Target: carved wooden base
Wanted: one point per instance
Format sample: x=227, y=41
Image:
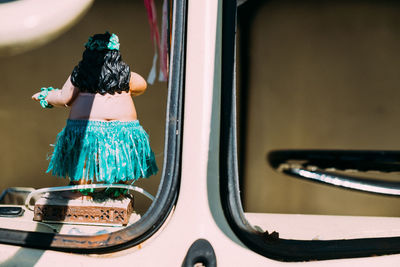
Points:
x=64, y=208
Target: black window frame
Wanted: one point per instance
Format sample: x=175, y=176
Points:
x=264, y=243
x=168, y=189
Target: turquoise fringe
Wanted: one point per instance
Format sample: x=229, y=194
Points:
x=103, y=151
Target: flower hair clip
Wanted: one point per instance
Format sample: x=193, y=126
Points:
x=99, y=45
x=113, y=44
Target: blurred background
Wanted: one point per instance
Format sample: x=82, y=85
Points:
x=27, y=130
x=317, y=75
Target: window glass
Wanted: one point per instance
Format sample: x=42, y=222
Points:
x=27, y=130
x=316, y=75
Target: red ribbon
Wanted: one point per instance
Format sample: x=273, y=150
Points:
x=160, y=48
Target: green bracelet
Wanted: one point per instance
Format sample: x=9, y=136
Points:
x=42, y=97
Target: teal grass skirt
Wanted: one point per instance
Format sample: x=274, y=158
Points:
x=103, y=152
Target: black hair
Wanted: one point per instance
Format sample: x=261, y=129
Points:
x=101, y=71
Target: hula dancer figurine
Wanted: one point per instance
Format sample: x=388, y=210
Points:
x=102, y=141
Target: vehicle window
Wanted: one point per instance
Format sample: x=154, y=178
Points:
x=28, y=130
x=294, y=106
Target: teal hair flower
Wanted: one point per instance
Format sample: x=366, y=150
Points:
x=99, y=45
x=113, y=44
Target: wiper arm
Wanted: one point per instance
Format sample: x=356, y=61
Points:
x=320, y=166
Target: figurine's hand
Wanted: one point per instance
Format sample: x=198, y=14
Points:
x=36, y=96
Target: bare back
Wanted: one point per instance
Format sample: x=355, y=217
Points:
x=106, y=107
x=87, y=106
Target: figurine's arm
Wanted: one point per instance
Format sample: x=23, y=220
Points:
x=137, y=85
x=62, y=97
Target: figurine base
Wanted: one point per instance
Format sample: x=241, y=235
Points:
x=68, y=208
